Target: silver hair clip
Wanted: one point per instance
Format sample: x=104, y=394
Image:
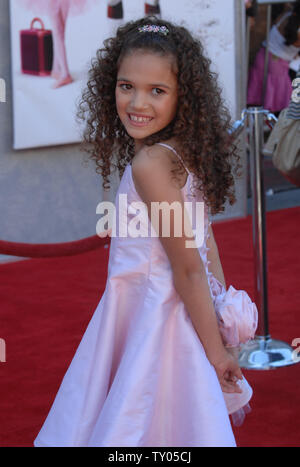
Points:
x=154, y=28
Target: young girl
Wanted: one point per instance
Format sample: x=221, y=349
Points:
x=284, y=47
x=153, y=367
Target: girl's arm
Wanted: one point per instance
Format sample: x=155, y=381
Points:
x=216, y=268
x=151, y=176
x=213, y=256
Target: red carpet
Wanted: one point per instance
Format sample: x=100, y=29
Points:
x=46, y=305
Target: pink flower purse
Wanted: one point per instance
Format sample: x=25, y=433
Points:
x=238, y=318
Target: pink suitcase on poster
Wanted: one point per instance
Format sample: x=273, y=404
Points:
x=36, y=50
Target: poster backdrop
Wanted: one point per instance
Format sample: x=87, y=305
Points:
x=53, y=42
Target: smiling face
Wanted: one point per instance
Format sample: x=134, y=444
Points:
x=146, y=93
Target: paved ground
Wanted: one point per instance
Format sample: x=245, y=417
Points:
x=280, y=194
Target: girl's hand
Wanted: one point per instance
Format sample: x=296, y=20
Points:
x=228, y=371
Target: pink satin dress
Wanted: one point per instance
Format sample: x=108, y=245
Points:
x=140, y=376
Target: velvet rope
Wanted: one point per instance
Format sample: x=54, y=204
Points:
x=47, y=250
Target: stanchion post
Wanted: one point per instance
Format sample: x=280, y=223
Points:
x=262, y=353
x=255, y=125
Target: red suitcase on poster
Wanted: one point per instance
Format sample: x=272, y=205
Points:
x=36, y=50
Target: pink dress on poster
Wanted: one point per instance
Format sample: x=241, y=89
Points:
x=140, y=376
x=49, y=7
x=58, y=11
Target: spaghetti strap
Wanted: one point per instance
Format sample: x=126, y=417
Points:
x=180, y=158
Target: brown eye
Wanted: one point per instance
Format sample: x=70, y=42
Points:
x=125, y=86
x=157, y=91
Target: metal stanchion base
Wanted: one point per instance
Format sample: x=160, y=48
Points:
x=264, y=353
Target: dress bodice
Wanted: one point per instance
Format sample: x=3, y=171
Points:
x=146, y=247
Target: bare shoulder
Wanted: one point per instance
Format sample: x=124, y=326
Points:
x=153, y=181
x=158, y=161
x=149, y=155
x=152, y=163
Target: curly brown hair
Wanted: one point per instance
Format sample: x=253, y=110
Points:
x=201, y=125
